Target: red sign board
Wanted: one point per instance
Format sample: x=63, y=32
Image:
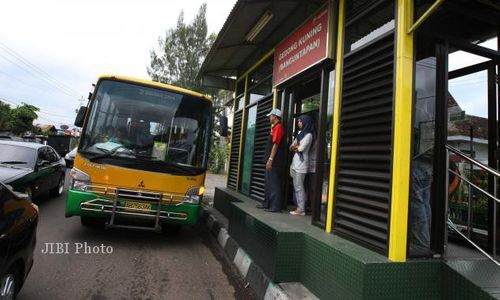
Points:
x=304, y=48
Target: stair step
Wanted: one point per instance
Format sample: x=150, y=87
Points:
x=295, y=290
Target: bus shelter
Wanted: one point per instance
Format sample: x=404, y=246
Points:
x=404, y=97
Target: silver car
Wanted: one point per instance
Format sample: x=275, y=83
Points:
x=70, y=158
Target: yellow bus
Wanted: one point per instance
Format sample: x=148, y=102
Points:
x=142, y=156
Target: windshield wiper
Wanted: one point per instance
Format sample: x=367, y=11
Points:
x=184, y=168
x=147, y=157
x=107, y=153
x=13, y=162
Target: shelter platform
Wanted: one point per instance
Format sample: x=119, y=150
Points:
x=290, y=249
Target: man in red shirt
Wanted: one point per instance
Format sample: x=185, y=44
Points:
x=275, y=162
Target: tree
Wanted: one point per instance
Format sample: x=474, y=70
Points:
x=181, y=53
x=22, y=118
x=178, y=61
x=4, y=116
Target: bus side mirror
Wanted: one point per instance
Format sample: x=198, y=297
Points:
x=80, y=116
x=223, y=126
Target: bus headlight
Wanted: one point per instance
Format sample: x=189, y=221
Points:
x=79, y=180
x=194, y=195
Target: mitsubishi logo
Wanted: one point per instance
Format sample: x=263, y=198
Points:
x=141, y=184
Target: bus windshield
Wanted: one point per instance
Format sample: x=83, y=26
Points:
x=158, y=128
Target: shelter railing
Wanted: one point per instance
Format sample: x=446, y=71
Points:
x=490, y=171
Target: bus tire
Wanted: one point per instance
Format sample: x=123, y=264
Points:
x=93, y=222
x=170, y=229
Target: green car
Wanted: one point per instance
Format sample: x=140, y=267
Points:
x=31, y=168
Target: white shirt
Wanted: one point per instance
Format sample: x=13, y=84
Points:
x=312, y=157
x=305, y=144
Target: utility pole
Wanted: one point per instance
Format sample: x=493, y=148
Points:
x=81, y=100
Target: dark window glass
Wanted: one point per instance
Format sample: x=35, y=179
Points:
x=240, y=87
x=18, y=155
x=153, y=126
x=52, y=155
x=239, y=102
x=421, y=196
x=261, y=90
x=43, y=155
x=353, y=8
x=261, y=74
x=249, y=149
x=260, y=82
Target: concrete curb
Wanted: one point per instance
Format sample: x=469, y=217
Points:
x=249, y=271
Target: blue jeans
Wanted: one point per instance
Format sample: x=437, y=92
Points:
x=420, y=208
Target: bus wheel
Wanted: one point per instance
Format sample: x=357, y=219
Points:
x=93, y=222
x=170, y=229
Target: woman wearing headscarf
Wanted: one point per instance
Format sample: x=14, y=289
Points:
x=300, y=162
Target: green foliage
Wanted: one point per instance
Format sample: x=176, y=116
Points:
x=178, y=61
x=458, y=206
x=19, y=119
x=217, y=158
x=311, y=104
x=22, y=117
x=4, y=116
x=182, y=52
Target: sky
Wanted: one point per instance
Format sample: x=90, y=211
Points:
x=470, y=91
x=52, y=51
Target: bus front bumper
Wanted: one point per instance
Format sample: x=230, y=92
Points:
x=88, y=204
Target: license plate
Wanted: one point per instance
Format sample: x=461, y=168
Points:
x=138, y=205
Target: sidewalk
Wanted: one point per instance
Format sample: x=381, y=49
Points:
x=256, y=279
x=212, y=181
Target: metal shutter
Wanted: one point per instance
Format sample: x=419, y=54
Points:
x=261, y=135
x=232, y=177
x=363, y=185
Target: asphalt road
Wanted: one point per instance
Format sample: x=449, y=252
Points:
x=142, y=265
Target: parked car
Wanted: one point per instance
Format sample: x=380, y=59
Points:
x=32, y=139
x=18, y=224
x=31, y=168
x=70, y=158
x=10, y=138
